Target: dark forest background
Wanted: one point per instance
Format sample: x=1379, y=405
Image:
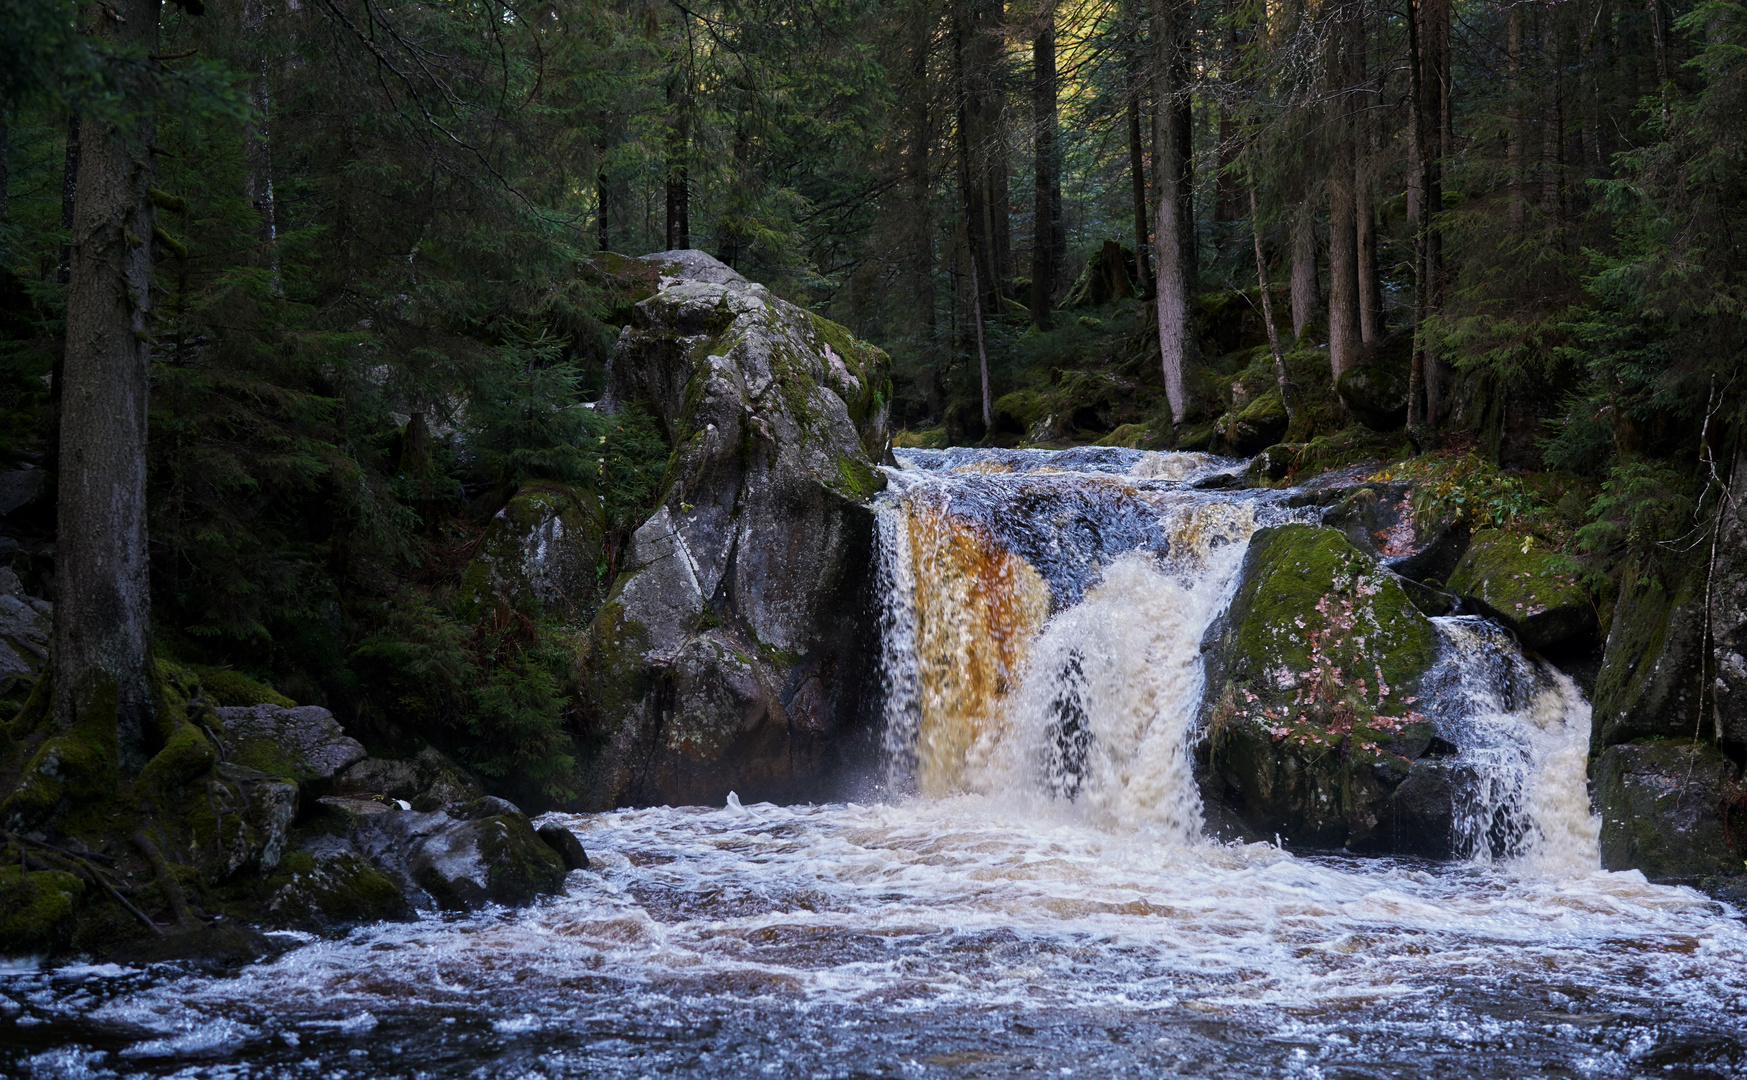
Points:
x=377, y=317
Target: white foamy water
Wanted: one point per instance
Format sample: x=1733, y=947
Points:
x=1030, y=894
x=919, y=938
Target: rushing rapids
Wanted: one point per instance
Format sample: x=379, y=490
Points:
x=1025, y=886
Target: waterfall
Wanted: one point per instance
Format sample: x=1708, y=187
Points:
x=1041, y=630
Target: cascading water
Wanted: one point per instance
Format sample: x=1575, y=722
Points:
x=1043, y=616
x=1032, y=894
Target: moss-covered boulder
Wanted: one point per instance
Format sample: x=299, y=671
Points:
x=489, y=854
x=303, y=744
x=327, y=884
x=37, y=909
x=1650, y=680
x=1258, y=425
x=1312, y=677
x=225, y=686
x=725, y=656
x=541, y=551
x=1663, y=806
x=426, y=781
x=1515, y=579
x=1375, y=393
x=1728, y=611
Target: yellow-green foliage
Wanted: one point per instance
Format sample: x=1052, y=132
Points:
x=934, y=438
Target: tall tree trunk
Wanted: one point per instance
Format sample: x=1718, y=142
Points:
x=1047, y=204
x=257, y=147
x=679, y=224
x=1370, y=281
x=602, y=236
x=1226, y=205
x=69, y=195
x=1306, y=297
x=1274, y=350
x=1174, y=226
x=102, y=604
x=5, y=164
x=1514, y=121
x=982, y=354
x=918, y=186
x=978, y=39
x=1343, y=252
x=1137, y=177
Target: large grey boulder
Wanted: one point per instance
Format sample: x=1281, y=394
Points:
x=540, y=552
x=303, y=744
x=24, y=633
x=726, y=655
x=488, y=853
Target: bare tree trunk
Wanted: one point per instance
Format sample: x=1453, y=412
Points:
x=1274, y=350
x=1343, y=260
x=679, y=225
x=1343, y=269
x=102, y=604
x=1514, y=122
x=257, y=147
x=1370, y=283
x=5, y=163
x=918, y=184
x=1046, y=215
x=603, y=237
x=1137, y=175
x=69, y=195
x=1174, y=226
x=982, y=353
x=1306, y=297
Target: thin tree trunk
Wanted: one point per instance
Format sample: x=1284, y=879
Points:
x=1370, y=283
x=679, y=227
x=1047, y=203
x=257, y=147
x=102, y=604
x=1137, y=175
x=603, y=238
x=982, y=353
x=1274, y=349
x=1172, y=221
x=5, y=164
x=1306, y=298
x=1514, y=121
x=69, y=194
x=918, y=185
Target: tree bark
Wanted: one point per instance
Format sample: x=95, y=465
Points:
x=978, y=37
x=102, y=604
x=679, y=225
x=257, y=147
x=1173, y=224
x=1343, y=260
x=982, y=354
x=1306, y=297
x=1370, y=282
x=1514, y=133
x=1046, y=216
x=1137, y=176
x=1274, y=349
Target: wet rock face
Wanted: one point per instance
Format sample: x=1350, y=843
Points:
x=1663, y=805
x=24, y=638
x=303, y=744
x=726, y=654
x=1533, y=592
x=491, y=855
x=1310, y=718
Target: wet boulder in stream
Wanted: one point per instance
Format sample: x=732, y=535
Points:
x=1533, y=592
x=727, y=654
x=1310, y=724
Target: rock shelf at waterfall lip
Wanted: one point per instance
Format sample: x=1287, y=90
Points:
x=1109, y=460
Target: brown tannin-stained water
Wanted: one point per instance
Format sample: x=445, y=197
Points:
x=1024, y=889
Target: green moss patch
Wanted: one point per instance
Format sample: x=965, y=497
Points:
x=1534, y=591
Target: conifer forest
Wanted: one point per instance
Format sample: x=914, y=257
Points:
x=815, y=455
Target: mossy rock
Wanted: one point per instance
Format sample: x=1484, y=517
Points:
x=1649, y=680
x=1376, y=395
x=329, y=885
x=541, y=552
x=1663, y=805
x=1529, y=589
x=1259, y=425
x=223, y=686
x=934, y=438
x=1312, y=678
x=37, y=910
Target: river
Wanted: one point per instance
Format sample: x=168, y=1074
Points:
x=1025, y=886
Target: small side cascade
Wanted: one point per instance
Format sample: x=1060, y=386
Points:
x=1520, y=785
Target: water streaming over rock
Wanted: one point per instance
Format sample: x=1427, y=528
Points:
x=1028, y=893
